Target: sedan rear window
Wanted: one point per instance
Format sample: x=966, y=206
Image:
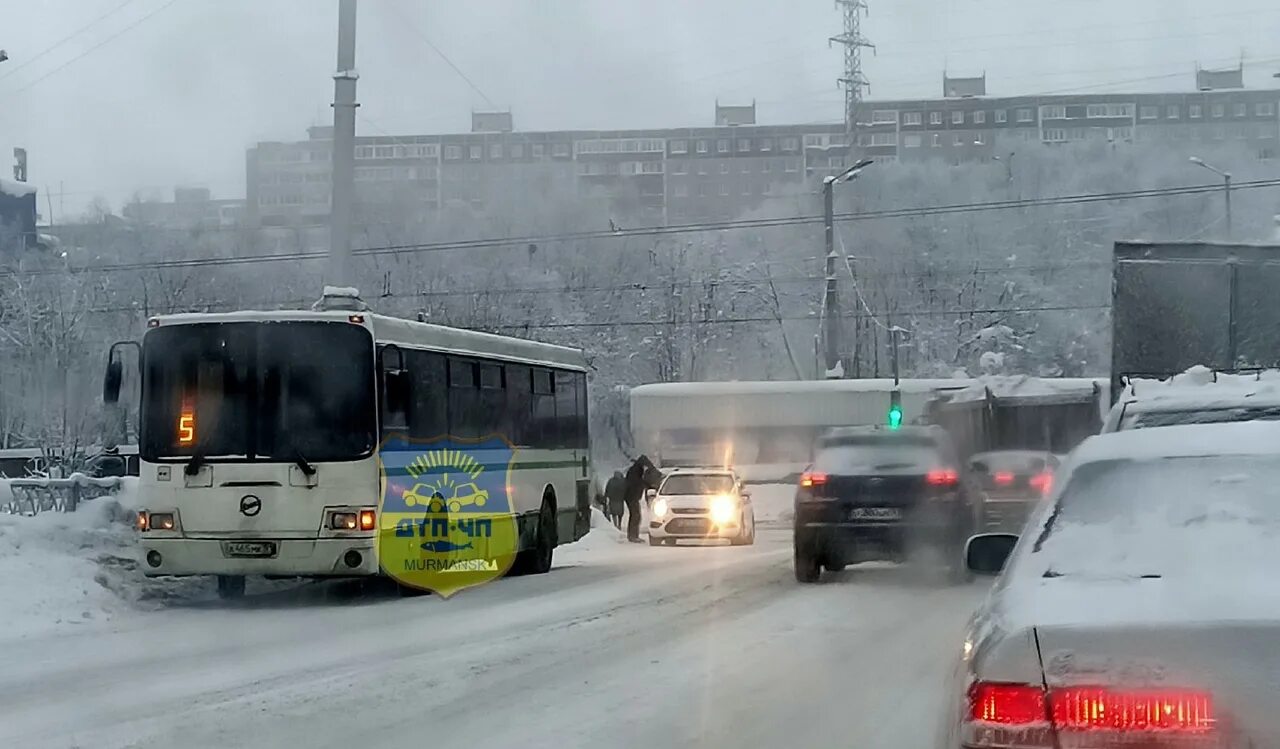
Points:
x=1153, y=517
x=878, y=457
x=697, y=484
x=1148, y=419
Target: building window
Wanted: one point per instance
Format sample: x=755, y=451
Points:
x=1265, y=109
x=744, y=145
x=724, y=188
x=979, y=118
x=957, y=139
x=913, y=118
x=722, y=145
x=1149, y=113
x=385, y=152
x=679, y=146
x=1054, y=112
x=495, y=150
x=936, y=140
x=517, y=151
x=1266, y=131
x=790, y=144
x=679, y=167
x=1055, y=135
x=884, y=117
x=1195, y=111
x=1002, y=116
x=746, y=167
x=1241, y=109
x=957, y=118
x=1172, y=112
x=1109, y=110
x=560, y=149
x=766, y=144
x=765, y=166
x=911, y=140
x=935, y=118
x=724, y=167
x=1120, y=133
x=702, y=146
x=1219, y=132
x=1219, y=110
x=978, y=140
x=792, y=165
x=453, y=153
x=1026, y=115
x=476, y=152
x=880, y=139
x=364, y=152
x=746, y=189
x=682, y=191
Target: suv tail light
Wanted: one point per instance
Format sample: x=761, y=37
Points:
x=942, y=477
x=1026, y=717
x=809, y=479
x=1042, y=482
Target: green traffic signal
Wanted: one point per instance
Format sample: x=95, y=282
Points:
x=895, y=418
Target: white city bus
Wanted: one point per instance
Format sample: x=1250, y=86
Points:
x=261, y=431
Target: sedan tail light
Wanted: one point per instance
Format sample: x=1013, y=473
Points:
x=942, y=477
x=1028, y=717
x=1002, y=478
x=1042, y=482
x=810, y=479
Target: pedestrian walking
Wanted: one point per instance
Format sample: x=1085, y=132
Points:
x=615, y=492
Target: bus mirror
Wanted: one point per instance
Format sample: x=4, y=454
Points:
x=111, y=381
x=396, y=388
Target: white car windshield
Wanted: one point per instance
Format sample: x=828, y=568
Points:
x=697, y=484
x=1179, y=517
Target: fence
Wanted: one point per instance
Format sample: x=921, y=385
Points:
x=35, y=495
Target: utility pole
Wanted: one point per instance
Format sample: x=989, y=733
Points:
x=344, y=148
x=832, y=332
x=1226, y=186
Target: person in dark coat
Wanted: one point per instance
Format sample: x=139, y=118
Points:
x=638, y=478
x=615, y=492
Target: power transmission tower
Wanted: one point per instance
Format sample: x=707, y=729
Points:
x=853, y=81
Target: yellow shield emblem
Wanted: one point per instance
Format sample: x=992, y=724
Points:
x=446, y=521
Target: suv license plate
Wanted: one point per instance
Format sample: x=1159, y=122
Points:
x=249, y=548
x=875, y=513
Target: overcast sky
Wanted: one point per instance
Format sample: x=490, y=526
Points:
x=171, y=92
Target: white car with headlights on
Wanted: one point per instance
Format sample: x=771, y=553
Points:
x=701, y=503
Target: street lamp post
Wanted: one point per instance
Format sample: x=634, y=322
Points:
x=1226, y=186
x=832, y=332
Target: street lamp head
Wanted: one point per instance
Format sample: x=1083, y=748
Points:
x=1196, y=160
x=3, y=55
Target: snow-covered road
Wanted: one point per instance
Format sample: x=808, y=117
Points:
x=620, y=646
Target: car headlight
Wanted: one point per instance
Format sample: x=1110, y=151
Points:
x=723, y=509
x=660, y=508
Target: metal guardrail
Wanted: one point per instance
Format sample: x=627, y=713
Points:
x=32, y=496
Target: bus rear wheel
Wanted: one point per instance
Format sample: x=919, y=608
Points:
x=537, y=560
x=230, y=587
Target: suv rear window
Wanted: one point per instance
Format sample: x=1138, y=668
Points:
x=857, y=454
x=697, y=483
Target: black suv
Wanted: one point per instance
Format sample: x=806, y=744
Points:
x=874, y=493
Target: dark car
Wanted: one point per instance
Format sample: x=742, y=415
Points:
x=875, y=493
x=1011, y=483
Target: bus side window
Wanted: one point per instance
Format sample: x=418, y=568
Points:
x=428, y=406
x=566, y=410
x=464, y=399
x=542, y=410
x=519, y=404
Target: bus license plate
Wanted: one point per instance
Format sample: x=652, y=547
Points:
x=875, y=513
x=249, y=548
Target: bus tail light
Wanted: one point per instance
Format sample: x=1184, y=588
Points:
x=368, y=520
x=157, y=521
x=343, y=521
x=363, y=519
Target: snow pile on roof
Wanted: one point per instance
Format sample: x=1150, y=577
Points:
x=1200, y=385
x=1026, y=387
x=16, y=189
x=60, y=570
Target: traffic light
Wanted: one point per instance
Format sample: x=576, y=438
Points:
x=895, y=409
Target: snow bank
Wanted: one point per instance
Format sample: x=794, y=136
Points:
x=59, y=570
x=1201, y=386
x=774, y=503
